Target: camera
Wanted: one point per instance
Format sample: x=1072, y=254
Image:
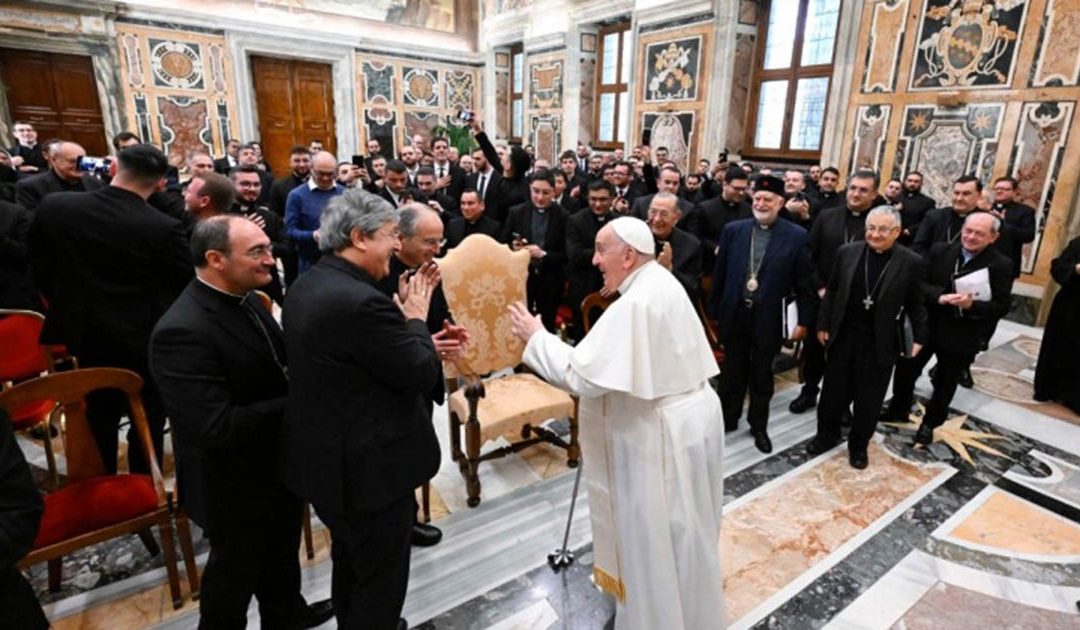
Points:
x=94, y=165
x=466, y=115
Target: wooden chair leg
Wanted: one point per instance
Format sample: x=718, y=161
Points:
x=187, y=548
x=147, y=538
x=165, y=529
x=472, y=461
x=309, y=540
x=425, y=501
x=56, y=574
x=50, y=455
x=455, y=437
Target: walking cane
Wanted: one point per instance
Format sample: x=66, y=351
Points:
x=563, y=557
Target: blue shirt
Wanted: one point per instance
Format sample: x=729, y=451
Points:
x=303, y=210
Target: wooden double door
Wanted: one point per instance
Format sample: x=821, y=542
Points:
x=295, y=101
x=57, y=94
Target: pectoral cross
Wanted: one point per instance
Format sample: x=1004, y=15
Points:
x=868, y=302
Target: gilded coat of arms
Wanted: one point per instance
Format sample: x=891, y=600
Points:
x=968, y=43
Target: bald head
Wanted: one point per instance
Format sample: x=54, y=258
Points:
x=65, y=161
x=324, y=169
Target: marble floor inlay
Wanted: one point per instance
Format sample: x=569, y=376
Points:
x=949, y=606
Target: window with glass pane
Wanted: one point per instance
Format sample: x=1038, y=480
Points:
x=790, y=85
x=611, y=88
x=518, y=69
x=770, y=114
x=517, y=115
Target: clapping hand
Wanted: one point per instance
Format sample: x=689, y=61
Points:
x=522, y=323
x=451, y=342
x=535, y=251
x=257, y=220
x=416, y=298
x=665, y=257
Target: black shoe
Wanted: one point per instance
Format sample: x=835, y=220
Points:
x=317, y=614
x=858, y=461
x=925, y=434
x=402, y=624
x=965, y=380
x=610, y=623
x=762, y=441
x=817, y=446
x=805, y=402
x=892, y=415
x=425, y=535
x=1040, y=397
x=730, y=428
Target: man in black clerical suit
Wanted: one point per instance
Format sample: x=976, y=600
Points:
x=833, y=229
x=714, y=214
x=583, y=277
x=1057, y=374
x=485, y=181
x=110, y=265
x=17, y=289
x=432, y=196
x=218, y=359
x=915, y=206
x=760, y=262
x=1017, y=221
x=63, y=176
x=358, y=436
x=871, y=284
x=574, y=194
x=943, y=225
x=677, y=250
x=27, y=156
x=800, y=203
x=246, y=181
x=249, y=156
x=473, y=220
x=20, y=515
x=958, y=323
x=668, y=180
x=539, y=226
x=827, y=196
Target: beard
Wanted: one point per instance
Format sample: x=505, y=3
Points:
x=762, y=217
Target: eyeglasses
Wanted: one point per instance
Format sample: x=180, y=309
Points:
x=661, y=214
x=326, y=174
x=249, y=184
x=259, y=251
x=880, y=229
x=432, y=242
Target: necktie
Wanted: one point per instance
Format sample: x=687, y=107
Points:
x=483, y=185
x=441, y=171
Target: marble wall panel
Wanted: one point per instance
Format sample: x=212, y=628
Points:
x=381, y=124
x=748, y=12
x=502, y=97
x=378, y=80
x=745, y=45
x=871, y=127
x=459, y=90
x=544, y=96
x=887, y=29
x=672, y=70
x=179, y=86
x=184, y=125
x=420, y=86
x=587, y=99
x=967, y=45
x=546, y=85
x=674, y=130
x=545, y=131
x=1036, y=162
x=1058, y=57
x=945, y=143
x=421, y=123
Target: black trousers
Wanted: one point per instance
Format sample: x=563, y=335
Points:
x=949, y=367
x=544, y=293
x=852, y=375
x=255, y=556
x=290, y=265
x=19, y=607
x=747, y=365
x=813, y=356
x=370, y=553
x=105, y=408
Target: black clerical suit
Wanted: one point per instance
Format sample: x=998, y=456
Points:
x=866, y=293
x=685, y=259
x=16, y=288
x=274, y=228
x=956, y=335
x=749, y=323
x=32, y=156
x=689, y=221
x=940, y=225
x=358, y=435
x=713, y=215
x=915, y=206
x=459, y=228
x=109, y=265
x=547, y=275
x=279, y=194
x=583, y=277
x=823, y=200
x=219, y=362
x=1017, y=229
x=20, y=515
x=1057, y=375
x=30, y=191
x=833, y=229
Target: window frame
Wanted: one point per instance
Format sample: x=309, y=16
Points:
x=620, y=87
x=792, y=74
x=516, y=49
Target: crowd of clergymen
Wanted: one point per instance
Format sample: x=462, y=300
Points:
x=769, y=258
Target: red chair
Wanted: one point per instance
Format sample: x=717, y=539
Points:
x=22, y=357
x=95, y=506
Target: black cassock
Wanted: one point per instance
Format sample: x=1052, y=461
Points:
x=1057, y=376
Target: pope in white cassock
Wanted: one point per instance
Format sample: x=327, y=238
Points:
x=651, y=434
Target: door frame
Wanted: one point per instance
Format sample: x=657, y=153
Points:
x=342, y=60
x=105, y=59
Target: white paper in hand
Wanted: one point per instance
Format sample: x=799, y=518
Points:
x=791, y=317
x=977, y=283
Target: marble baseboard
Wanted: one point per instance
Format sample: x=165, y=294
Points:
x=1023, y=309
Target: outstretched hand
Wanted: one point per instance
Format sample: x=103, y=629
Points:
x=522, y=323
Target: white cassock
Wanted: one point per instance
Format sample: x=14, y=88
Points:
x=652, y=439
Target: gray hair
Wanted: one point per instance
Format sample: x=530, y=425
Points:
x=355, y=209
x=995, y=224
x=409, y=217
x=211, y=235
x=664, y=195
x=885, y=210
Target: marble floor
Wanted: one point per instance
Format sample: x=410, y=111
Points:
x=980, y=529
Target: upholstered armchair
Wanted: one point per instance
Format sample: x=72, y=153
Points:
x=480, y=278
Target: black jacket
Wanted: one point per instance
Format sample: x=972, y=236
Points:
x=358, y=432
x=713, y=215
x=458, y=228
x=16, y=288
x=30, y=191
x=552, y=267
x=689, y=221
x=901, y=288
x=915, y=206
x=940, y=225
x=829, y=233
x=951, y=329
x=458, y=181
x=222, y=165
x=20, y=514
x=491, y=196
x=109, y=265
x=583, y=277
x=1017, y=229
x=685, y=260
x=224, y=390
x=279, y=193
x=503, y=193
